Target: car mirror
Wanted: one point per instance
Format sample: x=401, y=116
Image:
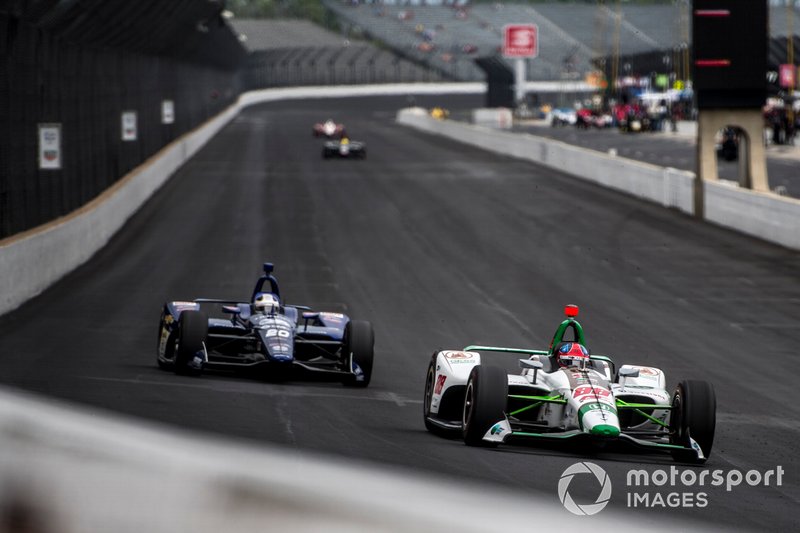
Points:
x=531, y=364
x=629, y=372
x=310, y=315
x=231, y=310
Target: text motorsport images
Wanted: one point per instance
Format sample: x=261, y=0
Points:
x=642, y=487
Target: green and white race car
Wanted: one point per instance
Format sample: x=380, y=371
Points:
x=565, y=392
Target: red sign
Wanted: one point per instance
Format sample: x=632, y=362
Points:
x=521, y=40
x=787, y=76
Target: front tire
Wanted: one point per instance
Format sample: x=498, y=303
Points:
x=168, y=339
x=358, y=351
x=484, y=403
x=426, y=403
x=694, y=414
x=192, y=331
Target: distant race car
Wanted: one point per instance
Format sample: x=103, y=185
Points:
x=344, y=148
x=565, y=393
x=266, y=334
x=329, y=129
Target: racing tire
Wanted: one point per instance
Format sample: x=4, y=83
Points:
x=192, y=331
x=426, y=404
x=325, y=154
x=358, y=348
x=485, y=403
x=169, y=346
x=694, y=414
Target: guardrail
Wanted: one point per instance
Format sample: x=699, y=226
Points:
x=764, y=215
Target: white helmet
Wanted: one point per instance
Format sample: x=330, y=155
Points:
x=267, y=303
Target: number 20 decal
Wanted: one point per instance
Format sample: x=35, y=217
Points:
x=272, y=332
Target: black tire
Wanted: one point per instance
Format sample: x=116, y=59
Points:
x=426, y=404
x=358, y=348
x=192, y=331
x=169, y=346
x=485, y=403
x=325, y=154
x=694, y=414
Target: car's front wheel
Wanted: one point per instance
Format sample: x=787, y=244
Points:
x=192, y=331
x=693, y=415
x=484, y=403
x=358, y=353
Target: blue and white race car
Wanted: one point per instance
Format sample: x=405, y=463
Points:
x=263, y=333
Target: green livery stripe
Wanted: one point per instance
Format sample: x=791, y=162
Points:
x=518, y=411
x=548, y=399
x=622, y=404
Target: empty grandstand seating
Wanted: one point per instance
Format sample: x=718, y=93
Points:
x=297, y=52
x=570, y=34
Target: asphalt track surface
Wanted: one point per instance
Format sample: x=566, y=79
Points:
x=439, y=245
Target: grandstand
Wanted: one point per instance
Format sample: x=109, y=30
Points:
x=298, y=52
x=571, y=35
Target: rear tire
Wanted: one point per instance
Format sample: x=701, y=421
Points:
x=358, y=348
x=484, y=403
x=192, y=331
x=694, y=414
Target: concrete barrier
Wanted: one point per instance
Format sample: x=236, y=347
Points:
x=767, y=216
x=73, y=470
x=666, y=186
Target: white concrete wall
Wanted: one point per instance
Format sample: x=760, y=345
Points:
x=665, y=186
x=764, y=215
x=32, y=261
x=75, y=470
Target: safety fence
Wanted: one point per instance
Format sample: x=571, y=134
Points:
x=89, y=90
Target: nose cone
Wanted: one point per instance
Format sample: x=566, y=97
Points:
x=605, y=430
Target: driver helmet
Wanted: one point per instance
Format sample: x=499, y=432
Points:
x=572, y=354
x=345, y=140
x=266, y=303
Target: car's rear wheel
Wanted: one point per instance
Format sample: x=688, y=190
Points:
x=358, y=353
x=694, y=414
x=192, y=331
x=484, y=403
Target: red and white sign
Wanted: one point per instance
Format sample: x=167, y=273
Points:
x=521, y=40
x=787, y=76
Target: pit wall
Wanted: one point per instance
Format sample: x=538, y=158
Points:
x=763, y=215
